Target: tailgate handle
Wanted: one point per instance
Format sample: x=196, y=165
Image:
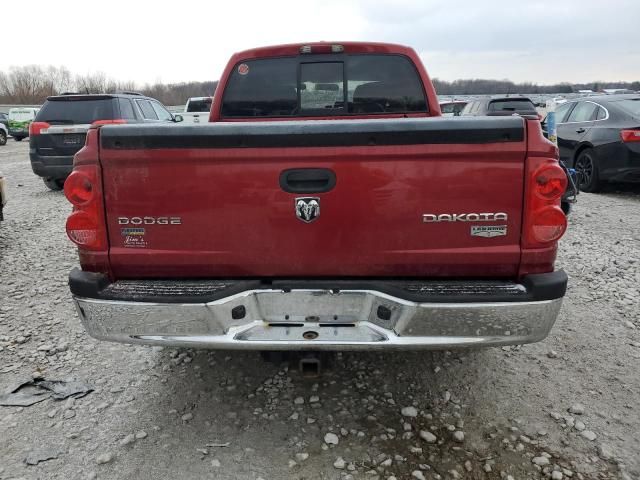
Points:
x=307, y=180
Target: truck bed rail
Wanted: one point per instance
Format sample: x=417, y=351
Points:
x=316, y=133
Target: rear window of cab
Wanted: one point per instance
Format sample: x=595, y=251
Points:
x=324, y=86
x=202, y=106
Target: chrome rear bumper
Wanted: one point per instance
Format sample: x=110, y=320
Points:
x=315, y=319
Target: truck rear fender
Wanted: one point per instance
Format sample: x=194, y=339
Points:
x=86, y=225
x=543, y=222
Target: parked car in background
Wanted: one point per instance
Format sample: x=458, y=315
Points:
x=197, y=110
x=500, y=106
x=61, y=126
x=19, y=121
x=4, y=119
x=4, y=133
x=452, y=108
x=600, y=138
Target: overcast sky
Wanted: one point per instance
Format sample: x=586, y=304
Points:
x=543, y=41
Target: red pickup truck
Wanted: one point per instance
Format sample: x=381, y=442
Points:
x=327, y=205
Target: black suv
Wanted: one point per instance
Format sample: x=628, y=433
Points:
x=61, y=125
x=499, y=106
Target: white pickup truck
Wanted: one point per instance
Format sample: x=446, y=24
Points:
x=197, y=110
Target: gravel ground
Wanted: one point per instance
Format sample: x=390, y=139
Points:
x=567, y=407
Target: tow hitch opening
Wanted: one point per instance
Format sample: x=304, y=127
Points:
x=310, y=366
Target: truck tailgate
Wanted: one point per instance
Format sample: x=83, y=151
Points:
x=208, y=200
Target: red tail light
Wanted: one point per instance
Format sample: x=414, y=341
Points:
x=629, y=136
x=544, y=221
x=78, y=188
x=86, y=225
x=548, y=224
x=82, y=229
x=550, y=182
x=116, y=121
x=36, y=127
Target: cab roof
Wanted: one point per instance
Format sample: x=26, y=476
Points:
x=292, y=49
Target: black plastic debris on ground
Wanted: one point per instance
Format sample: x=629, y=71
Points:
x=36, y=390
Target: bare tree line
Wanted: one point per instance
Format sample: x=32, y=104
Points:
x=179, y=93
x=32, y=84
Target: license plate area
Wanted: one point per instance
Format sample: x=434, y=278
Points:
x=314, y=307
x=312, y=332
x=73, y=139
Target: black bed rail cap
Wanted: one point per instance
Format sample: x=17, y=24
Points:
x=316, y=133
